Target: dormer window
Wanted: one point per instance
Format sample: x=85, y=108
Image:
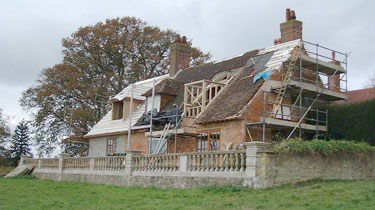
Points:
x=117, y=110
x=156, y=103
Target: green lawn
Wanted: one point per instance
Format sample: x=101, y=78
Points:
x=22, y=193
x=5, y=170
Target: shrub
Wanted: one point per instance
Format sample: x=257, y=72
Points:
x=352, y=121
x=321, y=146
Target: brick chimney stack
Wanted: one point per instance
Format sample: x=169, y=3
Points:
x=291, y=29
x=334, y=81
x=179, y=57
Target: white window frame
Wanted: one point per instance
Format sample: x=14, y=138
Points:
x=156, y=103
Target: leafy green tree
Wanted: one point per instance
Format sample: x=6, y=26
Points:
x=4, y=137
x=4, y=129
x=99, y=61
x=20, y=142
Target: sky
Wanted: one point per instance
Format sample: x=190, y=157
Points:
x=31, y=32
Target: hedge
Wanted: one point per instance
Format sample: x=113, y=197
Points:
x=320, y=146
x=352, y=121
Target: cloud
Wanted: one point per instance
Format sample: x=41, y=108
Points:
x=31, y=31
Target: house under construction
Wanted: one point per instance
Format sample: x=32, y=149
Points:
x=280, y=91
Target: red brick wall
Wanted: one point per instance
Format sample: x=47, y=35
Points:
x=230, y=132
x=138, y=141
x=184, y=144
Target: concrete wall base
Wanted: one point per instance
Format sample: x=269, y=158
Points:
x=181, y=182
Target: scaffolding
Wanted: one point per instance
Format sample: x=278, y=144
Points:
x=197, y=96
x=310, y=80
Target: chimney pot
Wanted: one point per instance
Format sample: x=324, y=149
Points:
x=275, y=42
x=184, y=40
x=333, y=56
x=177, y=39
x=291, y=30
x=292, y=15
x=287, y=14
x=279, y=41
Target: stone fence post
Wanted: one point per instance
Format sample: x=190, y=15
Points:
x=91, y=163
x=129, y=161
x=61, y=164
x=39, y=163
x=252, y=149
x=184, y=163
x=22, y=159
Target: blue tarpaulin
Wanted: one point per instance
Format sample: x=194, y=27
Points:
x=265, y=75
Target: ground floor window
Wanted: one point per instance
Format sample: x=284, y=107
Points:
x=208, y=141
x=154, y=145
x=111, y=145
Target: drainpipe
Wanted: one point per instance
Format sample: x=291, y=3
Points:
x=130, y=115
x=152, y=111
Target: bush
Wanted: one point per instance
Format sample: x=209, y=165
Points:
x=321, y=146
x=352, y=121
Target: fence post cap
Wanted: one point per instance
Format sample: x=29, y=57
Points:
x=133, y=151
x=63, y=155
x=257, y=144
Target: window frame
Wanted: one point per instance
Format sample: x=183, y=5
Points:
x=157, y=101
x=209, y=136
x=112, y=146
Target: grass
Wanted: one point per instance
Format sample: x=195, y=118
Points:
x=28, y=193
x=5, y=170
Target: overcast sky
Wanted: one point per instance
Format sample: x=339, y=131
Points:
x=31, y=32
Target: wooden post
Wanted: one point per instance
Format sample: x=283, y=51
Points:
x=185, y=99
x=204, y=95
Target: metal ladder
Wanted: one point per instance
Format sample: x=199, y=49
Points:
x=162, y=139
x=165, y=135
x=286, y=79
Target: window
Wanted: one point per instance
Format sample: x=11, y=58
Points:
x=215, y=141
x=209, y=141
x=283, y=112
x=156, y=103
x=117, y=110
x=203, y=142
x=111, y=146
x=154, y=142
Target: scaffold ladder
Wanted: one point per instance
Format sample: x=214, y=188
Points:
x=162, y=139
x=166, y=134
x=286, y=79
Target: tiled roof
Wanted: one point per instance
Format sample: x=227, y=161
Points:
x=360, y=95
x=239, y=90
x=140, y=88
x=106, y=125
x=229, y=102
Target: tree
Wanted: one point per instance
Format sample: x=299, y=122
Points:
x=99, y=61
x=20, y=142
x=4, y=136
x=372, y=81
x=4, y=129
